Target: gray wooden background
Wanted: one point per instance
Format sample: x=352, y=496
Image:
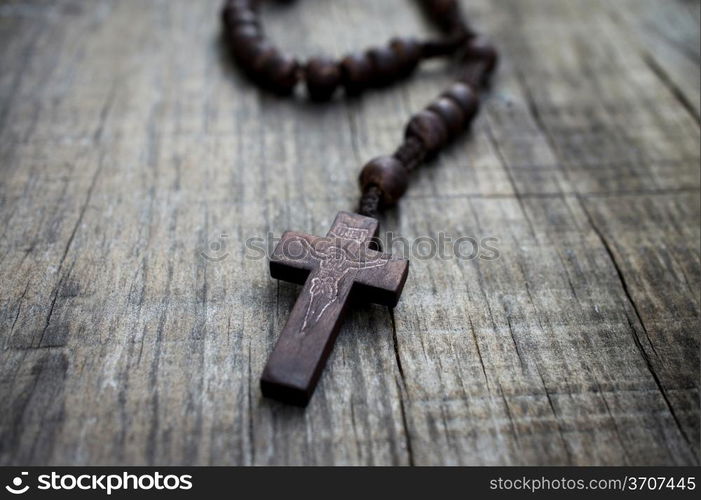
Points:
x=130, y=146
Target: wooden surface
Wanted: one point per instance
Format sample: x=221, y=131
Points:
x=128, y=144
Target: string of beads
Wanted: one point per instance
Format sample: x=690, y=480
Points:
x=383, y=180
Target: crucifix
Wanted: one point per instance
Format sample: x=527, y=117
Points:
x=334, y=270
x=343, y=265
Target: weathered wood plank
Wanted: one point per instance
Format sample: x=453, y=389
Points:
x=128, y=144
x=669, y=42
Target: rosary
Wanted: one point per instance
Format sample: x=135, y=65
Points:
x=348, y=264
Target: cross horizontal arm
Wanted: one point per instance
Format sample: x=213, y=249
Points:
x=382, y=284
x=294, y=257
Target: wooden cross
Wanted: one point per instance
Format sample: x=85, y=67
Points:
x=333, y=269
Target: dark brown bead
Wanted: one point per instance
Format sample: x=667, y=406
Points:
x=408, y=51
x=428, y=127
x=323, y=75
x=446, y=13
x=452, y=114
x=482, y=59
x=246, y=51
x=243, y=39
x=260, y=53
x=442, y=8
x=385, y=65
x=480, y=48
x=280, y=73
x=465, y=97
x=388, y=174
x=356, y=73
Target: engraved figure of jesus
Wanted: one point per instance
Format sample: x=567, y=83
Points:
x=334, y=265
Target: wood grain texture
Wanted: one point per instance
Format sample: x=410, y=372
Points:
x=129, y=144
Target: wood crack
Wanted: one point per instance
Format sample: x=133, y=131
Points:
x=634, y=332
x=555, y=415
x=401, y=389
x=673, y=88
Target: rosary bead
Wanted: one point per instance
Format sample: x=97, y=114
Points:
x=411, y=153
x=465, y=97
x=243, y=39
x=408, y=51
x=442, y=8
x=356, y=71
x=388, y=174
x=385, y=65
x=480, y=49
x=429, y=128
x=256, y=57
x=280, y=73
x=323, y=75
x=446, y=13
x=453, y=116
